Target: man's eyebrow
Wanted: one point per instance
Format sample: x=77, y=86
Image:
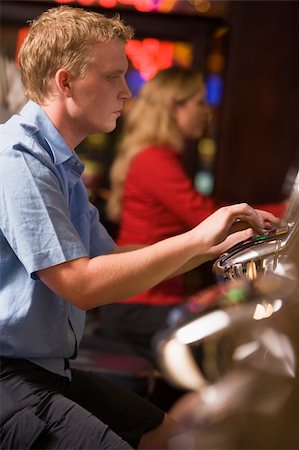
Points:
x=115, y=71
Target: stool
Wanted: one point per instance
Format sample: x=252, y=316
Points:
x=127, y=370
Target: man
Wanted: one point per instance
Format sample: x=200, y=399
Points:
x=57, y=260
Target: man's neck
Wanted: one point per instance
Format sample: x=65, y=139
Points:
x=60, y=118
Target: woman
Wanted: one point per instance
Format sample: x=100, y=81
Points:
x=152, y=197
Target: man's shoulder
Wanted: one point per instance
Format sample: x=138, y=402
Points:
x=13, y=124
x=13, y=134
x=18, y=138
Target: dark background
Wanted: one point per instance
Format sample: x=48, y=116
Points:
x=257, y=129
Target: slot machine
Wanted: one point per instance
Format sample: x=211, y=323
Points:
x=262, y=254
x=240, y=357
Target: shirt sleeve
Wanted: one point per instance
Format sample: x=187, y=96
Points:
x=101, y=242
x=34, y=214
x=161, y=173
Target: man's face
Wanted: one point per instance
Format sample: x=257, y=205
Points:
x=98, y=98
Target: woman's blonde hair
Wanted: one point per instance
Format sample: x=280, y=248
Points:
x=62, y=37
x=150, y=121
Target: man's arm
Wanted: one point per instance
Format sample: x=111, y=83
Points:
x=88, y=283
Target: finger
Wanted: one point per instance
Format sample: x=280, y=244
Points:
x=238, y=236
x=244, y=212
x=269, y=218
x=239, y=225
x=231, y=240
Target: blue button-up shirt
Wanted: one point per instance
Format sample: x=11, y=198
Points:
x=45, y=219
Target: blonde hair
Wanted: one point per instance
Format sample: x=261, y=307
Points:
x=62, y=38
x=150, y=121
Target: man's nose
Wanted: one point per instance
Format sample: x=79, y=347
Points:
x=126, y=92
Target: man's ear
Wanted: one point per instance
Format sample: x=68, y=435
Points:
x=62, y=80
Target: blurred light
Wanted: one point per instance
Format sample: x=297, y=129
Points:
x=204, y=182
x=144, y=5
x=150, y=55
x=286, y=270
x=202, y=5
x=86, y=2
x=207, y=150
x=175, y=356
x=183, y=54
x=245, y=350
x=279, y=346
x=251, y=272
x=219, y=32
x=108, y=3
x=214, y=92
x=215, y=62
x=166, y=5
x=135, y=81
x=203, y=327
x=93, y=171
x=277, y=304
x=162, y=6
x=236, y=294
x=98, y=140
x=263, y=311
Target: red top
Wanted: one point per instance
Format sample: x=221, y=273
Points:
x=159, y=202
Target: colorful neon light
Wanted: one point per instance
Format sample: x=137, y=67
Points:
x=109, y=3
x=214, y=85
x=150, y=55
x=163, y=6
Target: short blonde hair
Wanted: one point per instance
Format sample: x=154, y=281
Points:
x=150, y=121
x=62, y=38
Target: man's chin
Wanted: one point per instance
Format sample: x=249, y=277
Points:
x=108, y=128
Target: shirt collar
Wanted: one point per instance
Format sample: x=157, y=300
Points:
x=37, y=122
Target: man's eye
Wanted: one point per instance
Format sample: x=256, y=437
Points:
x=113, y=77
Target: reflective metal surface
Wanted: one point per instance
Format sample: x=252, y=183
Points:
x=261, y=254
x=206, y=346
x=245, y=390
x=202, y=341
x=239, y=356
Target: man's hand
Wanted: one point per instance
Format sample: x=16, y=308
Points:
x=232, y=224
